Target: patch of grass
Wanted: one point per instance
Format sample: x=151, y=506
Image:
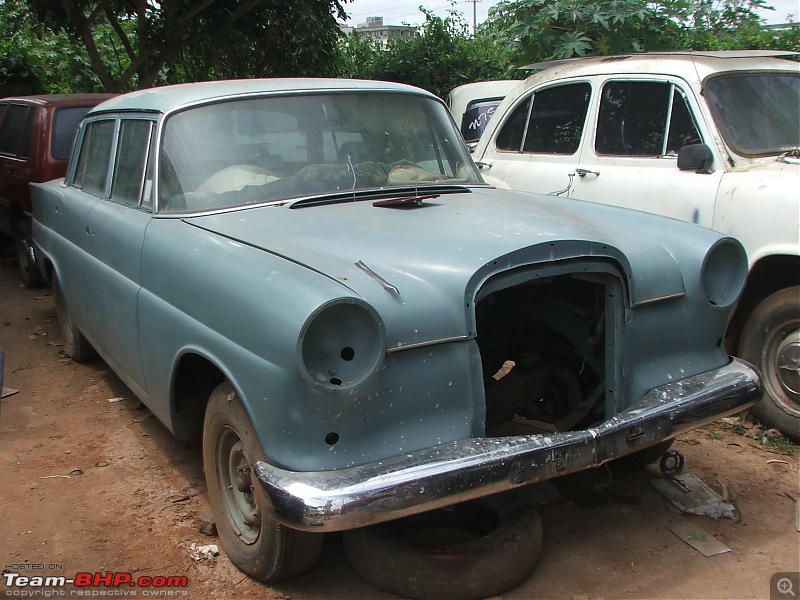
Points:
x=715, y=436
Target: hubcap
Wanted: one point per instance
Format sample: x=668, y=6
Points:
x=237, y=489
x=789, y=363
x=781, y=368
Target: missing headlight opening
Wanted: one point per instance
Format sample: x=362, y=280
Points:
x=544, y=358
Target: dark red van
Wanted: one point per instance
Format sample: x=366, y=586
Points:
x=36, y=137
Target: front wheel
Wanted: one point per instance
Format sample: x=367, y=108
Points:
x=256, y=544
x=771, y=340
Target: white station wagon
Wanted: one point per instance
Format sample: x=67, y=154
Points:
x=707, y=137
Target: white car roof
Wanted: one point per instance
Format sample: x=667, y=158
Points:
x=693, y=66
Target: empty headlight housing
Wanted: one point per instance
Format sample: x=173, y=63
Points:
x=341, y=344
x=724, y=272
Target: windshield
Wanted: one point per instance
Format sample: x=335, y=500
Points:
x=279, y=147
x=757, y=113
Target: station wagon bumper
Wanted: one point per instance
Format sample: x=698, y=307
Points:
x=470, y=468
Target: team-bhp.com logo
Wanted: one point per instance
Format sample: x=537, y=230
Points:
x=94, y=584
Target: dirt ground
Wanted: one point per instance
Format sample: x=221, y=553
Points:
x=90, y=482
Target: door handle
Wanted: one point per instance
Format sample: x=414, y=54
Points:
x=585, y=172
x=483, y=165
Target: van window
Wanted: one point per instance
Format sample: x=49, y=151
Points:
x=65, y=128
x=11, y=127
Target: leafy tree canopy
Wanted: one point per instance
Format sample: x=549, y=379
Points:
x=138, y=43
x=536, y=30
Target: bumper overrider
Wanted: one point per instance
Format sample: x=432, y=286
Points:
x=457, y=471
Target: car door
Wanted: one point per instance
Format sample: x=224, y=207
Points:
x=16, y=124
x=629, y=158
x=111, y=175
x=537, y=145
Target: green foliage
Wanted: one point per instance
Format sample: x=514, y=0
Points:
x=47, y=61
x=441, y=56
x=538, y=30
x=137, y=44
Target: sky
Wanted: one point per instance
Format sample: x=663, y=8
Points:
x=398, y=12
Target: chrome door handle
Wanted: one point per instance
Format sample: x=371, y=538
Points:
x=585, y=172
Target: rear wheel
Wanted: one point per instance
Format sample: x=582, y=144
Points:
x=75, y=344
x=471, y=550
x=255, y=543
x=770, y=340
x=28, y=269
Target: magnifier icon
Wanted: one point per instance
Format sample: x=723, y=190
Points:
x=784, y=586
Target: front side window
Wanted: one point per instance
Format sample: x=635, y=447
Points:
x=643, y=118
x=91, y=172
x=271, y=148
x=551, y=121
x=756, y=113
x=129, y=169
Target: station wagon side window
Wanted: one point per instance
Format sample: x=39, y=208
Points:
x=644, y=118
x=550, y=121
x=132, y=152
x=91, y=172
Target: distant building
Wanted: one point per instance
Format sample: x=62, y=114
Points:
x=375, y=28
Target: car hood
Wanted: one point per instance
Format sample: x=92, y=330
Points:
x=431, y=259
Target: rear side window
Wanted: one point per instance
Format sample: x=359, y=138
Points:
x=551, y=121
x=643, y=118
x=132, y=150
x=91, y=172
x=15, y=117
x=477, y=117
x=65, y=127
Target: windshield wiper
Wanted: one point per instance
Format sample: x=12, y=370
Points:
x=392, y=196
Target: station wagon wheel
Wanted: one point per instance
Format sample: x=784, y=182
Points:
x=28, y=269
x=467, y=551
x=76, y=346
x=255, y=543
x=771, y=340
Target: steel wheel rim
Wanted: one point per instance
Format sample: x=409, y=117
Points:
x=234, y=469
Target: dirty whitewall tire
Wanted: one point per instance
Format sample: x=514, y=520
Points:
x=770, y=340
x=256, y=544
x=471, y=550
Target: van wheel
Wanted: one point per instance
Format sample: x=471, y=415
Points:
x=256, y=544
x=76, y=346
x=471, y=550
x=28, y=269
x=771, y=341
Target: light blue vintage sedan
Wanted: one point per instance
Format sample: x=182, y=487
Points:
x=314, y=275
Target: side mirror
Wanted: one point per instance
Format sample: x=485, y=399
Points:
x=697, y=158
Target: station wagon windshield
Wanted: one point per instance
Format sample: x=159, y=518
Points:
x=757, y=113
x=263, y=149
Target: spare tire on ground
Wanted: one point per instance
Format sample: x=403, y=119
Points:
x=467, y=551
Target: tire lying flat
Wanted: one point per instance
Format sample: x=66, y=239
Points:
x=471, y=550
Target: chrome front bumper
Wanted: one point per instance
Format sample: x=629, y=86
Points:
x=457, y=471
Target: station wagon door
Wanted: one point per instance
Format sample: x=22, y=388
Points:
x=112, y=170
x=537, y=145
x=630, y=157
